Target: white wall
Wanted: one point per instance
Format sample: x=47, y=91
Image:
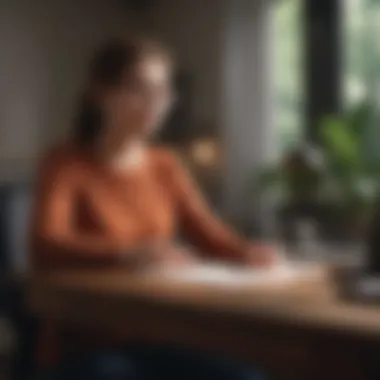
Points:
x=44, y=47
x=247, y=107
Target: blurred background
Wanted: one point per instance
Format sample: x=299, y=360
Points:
x=278, y=104
x=278, y=100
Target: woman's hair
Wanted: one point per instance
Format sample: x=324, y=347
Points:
x=107, y=68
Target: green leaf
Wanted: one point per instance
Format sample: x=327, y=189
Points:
x=340, y=141
x=358, y=119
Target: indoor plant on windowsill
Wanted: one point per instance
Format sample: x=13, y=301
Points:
x=337, y=185
x=352, y=170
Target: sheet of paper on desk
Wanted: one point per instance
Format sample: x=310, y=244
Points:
x=219, y=273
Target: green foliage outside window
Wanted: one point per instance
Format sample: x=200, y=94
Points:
x=288, y=66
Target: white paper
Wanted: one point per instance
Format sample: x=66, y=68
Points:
x=219, y=273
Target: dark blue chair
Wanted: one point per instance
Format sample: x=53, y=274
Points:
x=15, y=207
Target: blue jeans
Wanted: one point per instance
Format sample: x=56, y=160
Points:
x=153, y=363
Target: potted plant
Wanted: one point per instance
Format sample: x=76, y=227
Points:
x=352, y=168
x=337, y=184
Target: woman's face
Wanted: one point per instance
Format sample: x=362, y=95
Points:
x=140, y=102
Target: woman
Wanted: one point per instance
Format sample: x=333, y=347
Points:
x=107, y=197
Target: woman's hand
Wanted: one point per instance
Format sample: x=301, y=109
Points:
x=174, y=255
x=261, y=255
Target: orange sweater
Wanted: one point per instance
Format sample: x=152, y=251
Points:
x=86, y=213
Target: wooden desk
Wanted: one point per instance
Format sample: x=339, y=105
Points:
x=300, y=330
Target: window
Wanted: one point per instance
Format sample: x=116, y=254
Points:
x=288, y=77
x=361, y=71
x=361, y=64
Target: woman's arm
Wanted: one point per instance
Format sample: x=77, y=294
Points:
x=198, y=222
x=55, y=240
